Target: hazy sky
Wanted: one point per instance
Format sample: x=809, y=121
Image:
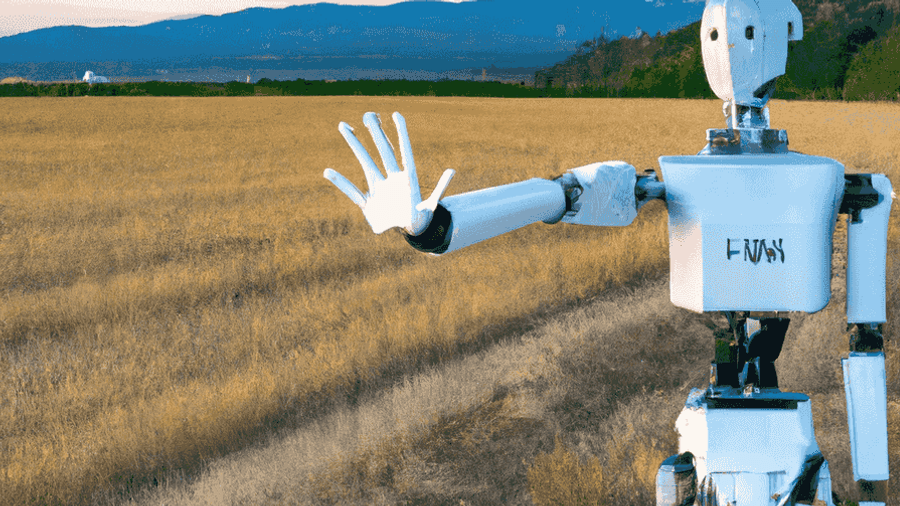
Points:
x=18, y=16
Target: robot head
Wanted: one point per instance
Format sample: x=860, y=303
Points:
x=744, y=46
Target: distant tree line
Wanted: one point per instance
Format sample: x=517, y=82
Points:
x=268, y=87
x=151, y=88
x=850, y=51
x=401, y=87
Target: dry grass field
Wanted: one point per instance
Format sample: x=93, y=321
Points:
x=178, y=282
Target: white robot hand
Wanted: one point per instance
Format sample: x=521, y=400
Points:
x=395, y=200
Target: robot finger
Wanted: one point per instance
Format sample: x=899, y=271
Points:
x=432, y=202
x=344, y=184
x=406, y=154
x=373, y=123
x=373, y=175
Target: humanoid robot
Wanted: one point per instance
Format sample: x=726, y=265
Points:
x=750, y=235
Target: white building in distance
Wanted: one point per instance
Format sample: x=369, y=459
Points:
x=90, y=77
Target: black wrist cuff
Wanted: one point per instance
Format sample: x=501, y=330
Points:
x=435, y=238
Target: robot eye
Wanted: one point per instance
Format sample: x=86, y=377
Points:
x=790, y=29
x=714, y=34
x=749, y=33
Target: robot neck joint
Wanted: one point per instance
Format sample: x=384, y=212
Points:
x=737, y=141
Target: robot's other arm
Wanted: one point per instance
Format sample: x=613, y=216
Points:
x=867, y=202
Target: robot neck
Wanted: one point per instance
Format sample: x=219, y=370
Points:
x=745, y=116
x=747, y=132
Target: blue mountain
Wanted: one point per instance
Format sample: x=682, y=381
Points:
x=440, y=35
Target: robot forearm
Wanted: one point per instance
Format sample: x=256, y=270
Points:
x=602, y=194
x=468, y=218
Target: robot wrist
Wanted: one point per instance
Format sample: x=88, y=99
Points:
x=436, y=237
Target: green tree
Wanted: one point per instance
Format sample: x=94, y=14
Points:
x=692, y=77
x=874, y=73
x=820, y=60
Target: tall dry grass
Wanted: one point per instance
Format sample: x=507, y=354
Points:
x=177, y=274
x=179, y=281
x=561, y=385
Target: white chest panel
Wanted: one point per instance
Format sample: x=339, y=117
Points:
x=751, y=232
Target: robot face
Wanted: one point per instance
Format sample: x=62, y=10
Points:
x=744, y=45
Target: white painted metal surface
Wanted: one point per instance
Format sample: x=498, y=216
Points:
x=729, y=440
x=865, y=388
x=487, y=213
x=751, y=232
x=608, y=195
x=823, y=491
x=744, y=45
x=749, y=456
x=867, y=257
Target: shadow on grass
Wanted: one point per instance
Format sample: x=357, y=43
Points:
x=365, y=385
x=478, y=455
x=609, y=412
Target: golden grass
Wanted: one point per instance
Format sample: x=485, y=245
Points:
x=178, y=280
x=585, y=483
x=480, y=449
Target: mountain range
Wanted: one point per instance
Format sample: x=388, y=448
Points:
x=425, y=38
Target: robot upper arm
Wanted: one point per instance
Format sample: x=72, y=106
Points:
x=607, y=193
